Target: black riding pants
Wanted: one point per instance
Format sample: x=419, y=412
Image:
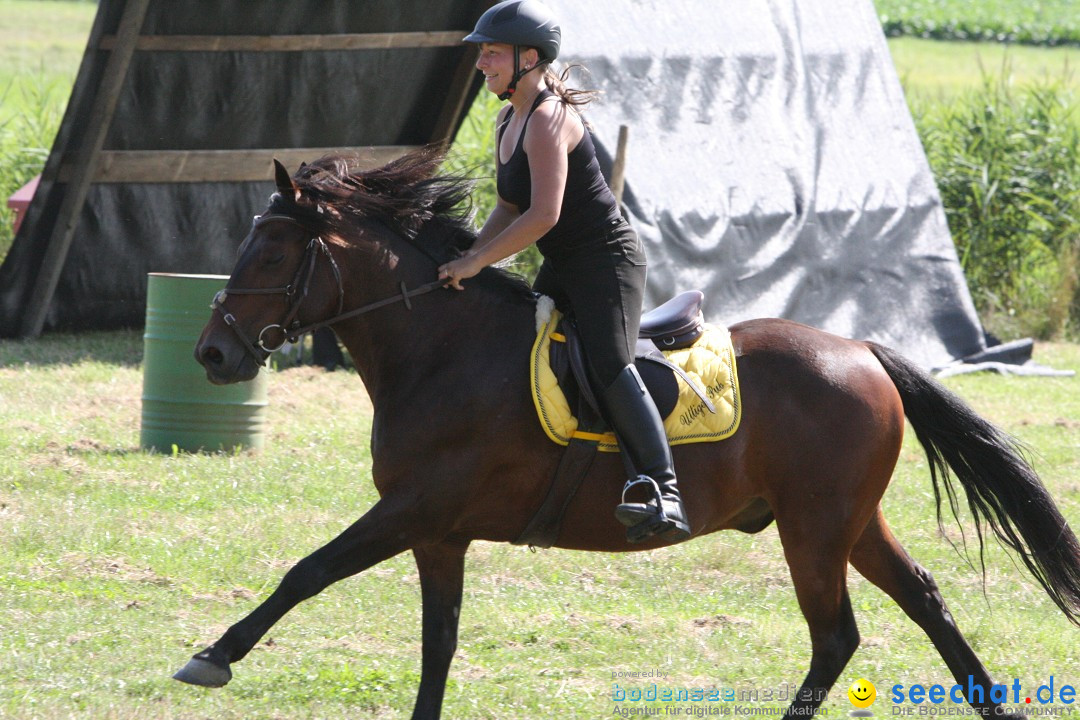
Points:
x=602, y=285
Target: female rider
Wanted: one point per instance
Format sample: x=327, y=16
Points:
x=551, y=192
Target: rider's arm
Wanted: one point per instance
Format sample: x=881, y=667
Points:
x=552, y=131
x=499, y=219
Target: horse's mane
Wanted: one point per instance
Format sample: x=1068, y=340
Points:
x=408, y=195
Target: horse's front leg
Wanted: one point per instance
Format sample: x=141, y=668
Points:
x=384, y=531
x=442, y=573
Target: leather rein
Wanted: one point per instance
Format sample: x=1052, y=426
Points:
x=290, y=328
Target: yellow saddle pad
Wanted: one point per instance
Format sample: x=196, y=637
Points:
x=710, y=362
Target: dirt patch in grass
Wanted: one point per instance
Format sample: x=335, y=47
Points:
x=721, y=621
x=115, y=568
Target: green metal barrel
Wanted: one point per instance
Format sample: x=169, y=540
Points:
x=180, y=407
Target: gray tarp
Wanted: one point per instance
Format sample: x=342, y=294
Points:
x=773, y=163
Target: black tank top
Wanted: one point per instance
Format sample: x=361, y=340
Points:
x=588, y=205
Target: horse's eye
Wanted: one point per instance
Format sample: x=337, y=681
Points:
x=275, y=260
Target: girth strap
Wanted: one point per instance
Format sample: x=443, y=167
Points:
x=543, y=529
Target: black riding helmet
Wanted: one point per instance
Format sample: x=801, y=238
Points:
x=520, y=23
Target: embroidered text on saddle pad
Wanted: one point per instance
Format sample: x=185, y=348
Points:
x=710, y=361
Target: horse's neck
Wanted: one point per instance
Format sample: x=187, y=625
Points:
x=441, y=340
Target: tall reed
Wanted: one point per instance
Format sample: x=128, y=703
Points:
x=25, y=139
x=1007, y=164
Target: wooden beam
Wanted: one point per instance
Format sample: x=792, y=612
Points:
x=618, y=170
x=192, y=166
x=84, y=168
x=292, y=43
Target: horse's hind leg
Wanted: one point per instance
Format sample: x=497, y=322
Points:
x=880, y=559
x=818, y=566
x=442, y=572
x=378, y=535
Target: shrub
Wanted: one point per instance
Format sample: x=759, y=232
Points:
x=25, y=140
x=1007, y=164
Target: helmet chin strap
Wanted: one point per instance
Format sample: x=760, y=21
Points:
x=518, y=74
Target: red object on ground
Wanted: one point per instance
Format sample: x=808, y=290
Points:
x=20, y=201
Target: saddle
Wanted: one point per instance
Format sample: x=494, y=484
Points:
x=677, y=324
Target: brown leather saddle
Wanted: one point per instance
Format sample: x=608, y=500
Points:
x=676, y=324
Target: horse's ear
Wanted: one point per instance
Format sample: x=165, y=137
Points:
x=285, y=184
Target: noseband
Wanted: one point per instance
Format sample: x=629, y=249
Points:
x=290, y=328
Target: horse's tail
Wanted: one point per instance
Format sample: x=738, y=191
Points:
x=1002, y=489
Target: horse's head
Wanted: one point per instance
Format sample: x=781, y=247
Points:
x=391, y=227
x=284, y=278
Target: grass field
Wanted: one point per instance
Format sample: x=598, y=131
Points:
x=41, y=46
x=935, y=70
x=118, y=564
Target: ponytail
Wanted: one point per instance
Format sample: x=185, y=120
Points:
x=571, y=96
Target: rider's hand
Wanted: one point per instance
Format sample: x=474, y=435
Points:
x=463, y=268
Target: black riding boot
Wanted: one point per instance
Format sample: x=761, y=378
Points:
x=659, y=509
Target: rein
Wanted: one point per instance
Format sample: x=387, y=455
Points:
x=295, y=292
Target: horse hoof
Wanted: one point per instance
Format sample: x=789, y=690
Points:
x=203, y=673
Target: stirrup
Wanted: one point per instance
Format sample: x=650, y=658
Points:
x=632, y=514
x=640, y=480
x=644, y=520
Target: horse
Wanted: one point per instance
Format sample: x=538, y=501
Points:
x=458, y=453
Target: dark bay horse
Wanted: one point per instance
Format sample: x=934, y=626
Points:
x=459, y=455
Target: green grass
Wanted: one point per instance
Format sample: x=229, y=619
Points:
x=931, y=70
x=118, y=564
x=41, y=46
x=1006, y=159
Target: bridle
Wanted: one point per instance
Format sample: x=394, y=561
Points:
x=290, y=328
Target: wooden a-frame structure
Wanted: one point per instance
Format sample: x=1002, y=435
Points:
x=91, y=156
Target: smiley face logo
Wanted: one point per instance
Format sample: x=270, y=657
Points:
x=862, y=693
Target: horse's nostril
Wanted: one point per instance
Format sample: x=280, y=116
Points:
x=212, y=355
